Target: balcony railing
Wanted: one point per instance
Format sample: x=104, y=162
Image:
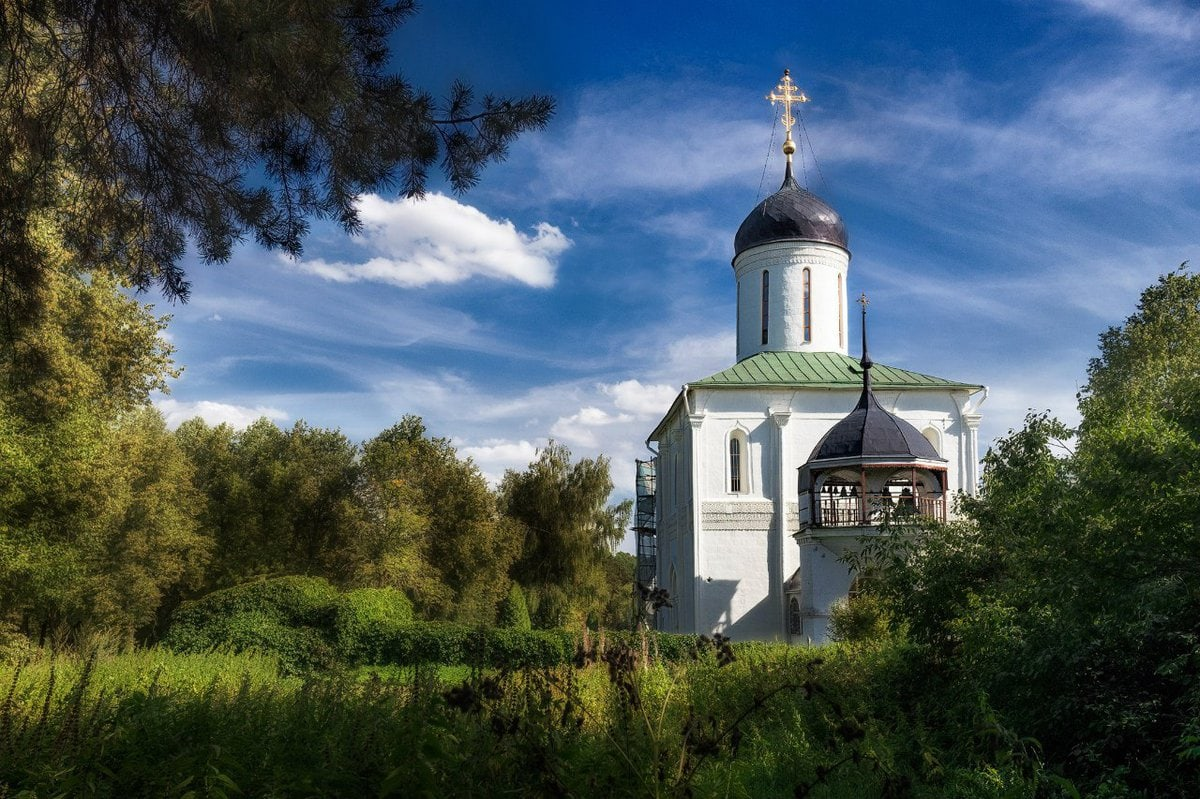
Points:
x=858, y=511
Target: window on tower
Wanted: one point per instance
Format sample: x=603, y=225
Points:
x=807, y=305
x=841, y=315
x=766, y=288
x=738, y=451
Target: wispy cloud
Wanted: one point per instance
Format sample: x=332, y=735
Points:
x=636, y=135
x=436, y=239
x=1170, y=20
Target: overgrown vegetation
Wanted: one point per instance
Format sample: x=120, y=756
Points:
x=1071, y=594
x=774, y=721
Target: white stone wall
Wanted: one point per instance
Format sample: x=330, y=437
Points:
x=786, y=262
x=733, y=551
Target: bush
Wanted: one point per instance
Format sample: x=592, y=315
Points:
x=865, y=618
x=291, y=617
x=364, y=619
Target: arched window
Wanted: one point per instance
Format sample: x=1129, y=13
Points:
x=841, y=315
x=933, y=437
x=766, y=310
x=795, y=620
x=738, y=453
x=807, y=305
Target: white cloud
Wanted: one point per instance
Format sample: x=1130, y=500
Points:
x=495, y=456
x=691, y=357
x=580, y=428
x=642, y=400
x=215, y=413
x=439, y=240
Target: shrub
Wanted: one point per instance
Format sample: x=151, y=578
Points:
x=514, y=612
x=865, y=618
x=363, y=620
x=291, y=617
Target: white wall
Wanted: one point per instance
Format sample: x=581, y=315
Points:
x=733, y=551
x=786, y=262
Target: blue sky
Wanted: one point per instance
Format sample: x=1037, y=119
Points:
x=1012, y=174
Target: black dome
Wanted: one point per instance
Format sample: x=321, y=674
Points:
x=791, y=213
x=870, y=432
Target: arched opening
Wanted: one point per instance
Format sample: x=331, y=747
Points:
x=867, y=495
x=934, y=438
x=766, y=308
x=841, y=315
x=739, y=451
x=839, y=498
x=807, y=305
x=795, y=620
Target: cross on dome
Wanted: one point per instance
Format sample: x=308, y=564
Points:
x=787, y=93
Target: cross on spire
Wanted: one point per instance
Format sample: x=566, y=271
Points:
x=866, y=362
x=787, y=93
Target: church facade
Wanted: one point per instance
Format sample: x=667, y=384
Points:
x=767, y=473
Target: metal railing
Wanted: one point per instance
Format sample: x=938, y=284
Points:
x=856, y=511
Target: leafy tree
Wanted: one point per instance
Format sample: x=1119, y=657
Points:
x=1071, y=594
x=136, y=125
x=514, y=613
x=277, y=502
x=94, y=525
x=569, y=531
x=465, y=546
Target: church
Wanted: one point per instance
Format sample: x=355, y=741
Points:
x=766, y=474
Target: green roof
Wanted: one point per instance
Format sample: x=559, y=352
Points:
x=820, y=370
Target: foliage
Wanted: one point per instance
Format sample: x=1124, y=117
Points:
x=860, y=619
x=292, y=618
x=514, y=613
x=137, y=124
x=1071, y=595
x=569, y=531
x=787, y=722
x=457, y=545
x=364, y=617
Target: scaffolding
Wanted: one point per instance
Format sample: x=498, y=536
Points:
x=644, y=525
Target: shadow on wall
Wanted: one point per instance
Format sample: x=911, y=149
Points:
x=758, y=623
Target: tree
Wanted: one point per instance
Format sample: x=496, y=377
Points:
x=569, y=529
x=134, y=125
x=94, y=524
x=514, y=613
x=466, y=546
x=276, y=501
x=1071, y=594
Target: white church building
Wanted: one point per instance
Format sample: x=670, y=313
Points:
x=768, y=472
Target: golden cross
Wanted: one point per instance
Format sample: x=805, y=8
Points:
x=787, y=93
x=863, y=301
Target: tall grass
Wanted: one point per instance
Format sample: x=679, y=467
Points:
x=774, y=722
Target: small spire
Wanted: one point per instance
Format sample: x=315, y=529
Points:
x=787, y=93
x=866, y=361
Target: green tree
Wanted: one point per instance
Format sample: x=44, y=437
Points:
x=90, y=476
x=466, y=546
x=275, y=501
x=514, y=612
x=1071, y=594
x=569, y=531
x=136, y=125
